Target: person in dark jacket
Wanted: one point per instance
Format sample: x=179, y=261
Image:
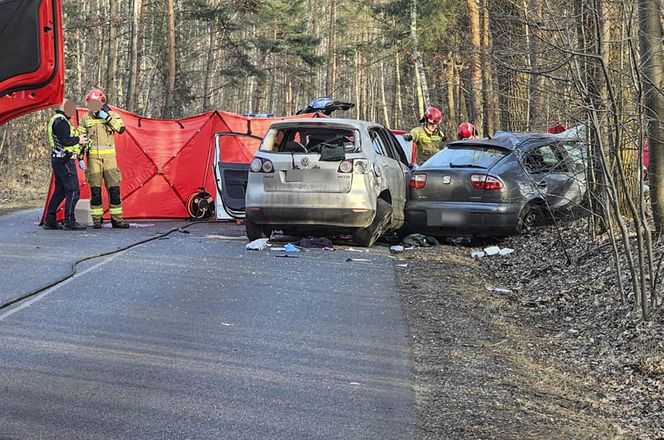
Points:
x=65, y=147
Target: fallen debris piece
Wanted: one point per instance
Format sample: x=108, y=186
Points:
x=140, y=225
x=419, y=240
x=291, y=248
x=492, y=250
x=356, y=259
x=315, y=242
x=499, y=290
x=396, y=249
x=401, y=265
x=220, y=237
x=287, y=256
x=258, y=245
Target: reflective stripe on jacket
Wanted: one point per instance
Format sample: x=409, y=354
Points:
x=100, y=132
x=57, y=149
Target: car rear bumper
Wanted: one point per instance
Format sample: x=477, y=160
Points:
x=462, y=218
x=320, y=216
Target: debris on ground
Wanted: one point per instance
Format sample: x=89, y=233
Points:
x=577, y=361
x=419, y=240
x=315, y=242
x=289, y=247
x=491, y=251
x=259, y=244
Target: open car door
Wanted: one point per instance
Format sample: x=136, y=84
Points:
x=32, y=66
x=230, y=177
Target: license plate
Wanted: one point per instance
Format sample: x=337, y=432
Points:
x=445, y=217
x=294, y=175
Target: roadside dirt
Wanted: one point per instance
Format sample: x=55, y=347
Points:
x=21, y=189
x=486, y=366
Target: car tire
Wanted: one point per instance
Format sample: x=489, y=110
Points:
x=531, y=215
x=366, y=237
x=254, y=231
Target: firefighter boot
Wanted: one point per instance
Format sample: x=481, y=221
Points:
x=119, y=224
x=75, y=226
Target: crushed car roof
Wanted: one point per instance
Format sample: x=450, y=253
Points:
x=509, y=140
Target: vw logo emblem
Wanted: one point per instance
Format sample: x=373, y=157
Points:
x=305, y=162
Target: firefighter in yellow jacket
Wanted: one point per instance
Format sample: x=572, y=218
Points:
x=428, y=137
x=100, y=125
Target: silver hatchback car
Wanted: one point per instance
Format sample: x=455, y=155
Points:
x=327, y=176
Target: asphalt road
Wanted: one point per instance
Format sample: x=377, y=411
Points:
x=193, y=337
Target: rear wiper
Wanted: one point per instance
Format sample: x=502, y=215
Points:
x=466, y=165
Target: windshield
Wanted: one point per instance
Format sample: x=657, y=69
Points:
x=310, y=140
x=466, y=156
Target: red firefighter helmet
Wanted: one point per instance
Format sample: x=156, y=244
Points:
x=466, y=130
x=95, y=94
x=433, y=116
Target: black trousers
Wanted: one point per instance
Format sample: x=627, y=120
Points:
x=66, y=188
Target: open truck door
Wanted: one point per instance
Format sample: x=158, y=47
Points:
x=231, y=179
x=32, y=66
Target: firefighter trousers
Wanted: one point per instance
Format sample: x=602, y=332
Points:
x=103, y=170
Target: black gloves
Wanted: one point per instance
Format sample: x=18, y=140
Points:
x=408, y=137
x=68, y=155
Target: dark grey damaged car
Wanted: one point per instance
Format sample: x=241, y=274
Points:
x=495, y=187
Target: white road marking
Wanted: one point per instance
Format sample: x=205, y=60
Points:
x=56, y=287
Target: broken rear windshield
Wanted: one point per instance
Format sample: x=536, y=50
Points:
x=310, y=140
x=466, y=156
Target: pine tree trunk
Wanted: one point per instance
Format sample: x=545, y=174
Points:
x=170, y=91
x=208, y=68
x=397, y=91
x=422, y=88
x=136, y=51
x=652, y=79
x=451, y=106
x=489, y=94
x=476, y=110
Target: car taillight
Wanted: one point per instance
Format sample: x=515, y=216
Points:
x=484, y=181
x=360, y=166
x=418, y=181
x=259, y=165
x=345, y=167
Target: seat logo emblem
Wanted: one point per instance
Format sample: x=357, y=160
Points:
x=305, y=162
x=447, y=179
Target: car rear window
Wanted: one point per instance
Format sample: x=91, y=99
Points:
x=466, y=155
x=310, y=139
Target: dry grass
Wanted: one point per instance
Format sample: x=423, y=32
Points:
x=22, y=187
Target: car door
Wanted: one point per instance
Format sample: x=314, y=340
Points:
x=549, y=174
x=231, y=177
x=32, y=67
x=393, y=171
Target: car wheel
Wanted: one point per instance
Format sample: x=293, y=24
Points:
x=366, y=237
x=254, y=231
x=531, y=216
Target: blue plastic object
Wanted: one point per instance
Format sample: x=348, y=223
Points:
x=291, y=248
